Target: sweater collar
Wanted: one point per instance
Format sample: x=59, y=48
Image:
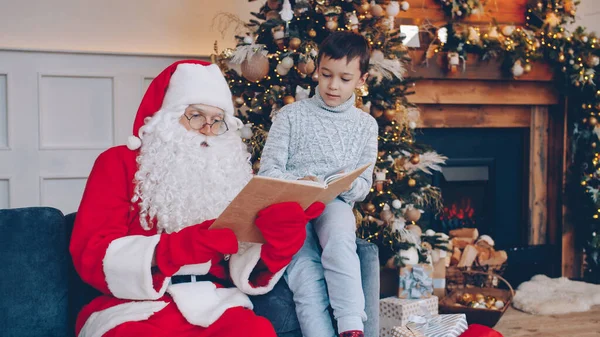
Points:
x=318, y=101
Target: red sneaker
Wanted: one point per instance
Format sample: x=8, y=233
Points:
x=352, y=333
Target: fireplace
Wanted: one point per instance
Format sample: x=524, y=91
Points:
x=468, y=190
x=484, y=181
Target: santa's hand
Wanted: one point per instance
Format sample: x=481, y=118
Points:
x=284, y=228
x=193, y=245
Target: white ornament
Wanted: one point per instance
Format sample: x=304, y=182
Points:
x=430, y=232
x=380, y=176
x=287, y=62
x=301, y=93
x=397, y=204
x=473, y=35
x=595, y=61
x=412, y=125
x=286, y=13
x=493, y=33
x=248, y=39
x=281, y=69
x=508, y=30
x=517, y=69
x=405, y=5
x=246, y=131
x=278, y=35
x=584, y=39
x=410, y=256
x=499, y=304
x=393, y=8
x=331, y=25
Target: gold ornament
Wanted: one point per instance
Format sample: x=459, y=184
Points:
x=273, y=4
x=386, y=215
x=594, y=145
x=332, y=25
x=593, y=121
x=227, y=53
x=239, y=101
x=288, y=100
x=364, y=7
x=272, y=15
x=256, y=166
x=312, y=32
x=306, y=67
x=363, y=90
x=527, y=68
x=294, y=43
x=466, y=298
x=376, y=112
x=415, y=158
x=389, y=114
x=369, y=208
x=412, y=214
x=255, y=68
x=479, y=298
x=415, y=229
x=412, y=182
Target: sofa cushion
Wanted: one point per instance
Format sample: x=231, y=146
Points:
x=34, y=258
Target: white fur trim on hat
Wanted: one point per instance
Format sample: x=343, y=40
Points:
x=133, y=143
x=198, y=84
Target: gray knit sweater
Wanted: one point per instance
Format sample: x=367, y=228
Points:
x=309, y=137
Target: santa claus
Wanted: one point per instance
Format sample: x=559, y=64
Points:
x=142, y=234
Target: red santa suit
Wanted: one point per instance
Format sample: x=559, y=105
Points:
x=114, y=253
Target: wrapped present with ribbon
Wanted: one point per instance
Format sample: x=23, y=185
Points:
x=394, y=311
x=438, y=259
x=415, y=281
x=427, y=325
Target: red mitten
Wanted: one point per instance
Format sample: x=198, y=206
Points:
x=192, y=245
x=477, y=330
x=284, y=228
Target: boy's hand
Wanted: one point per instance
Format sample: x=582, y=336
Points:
x=313, y=178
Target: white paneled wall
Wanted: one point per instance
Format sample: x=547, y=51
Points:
x=58, y=112
x=3, y=114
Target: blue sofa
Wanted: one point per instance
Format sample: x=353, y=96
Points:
x=42, y=293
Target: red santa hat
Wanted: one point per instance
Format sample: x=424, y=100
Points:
x=180, y=84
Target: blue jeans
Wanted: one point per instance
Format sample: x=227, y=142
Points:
x=314, y=274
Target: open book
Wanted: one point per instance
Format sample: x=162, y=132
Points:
x=261, y=192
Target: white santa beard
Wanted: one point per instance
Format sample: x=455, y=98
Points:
x=179, y=182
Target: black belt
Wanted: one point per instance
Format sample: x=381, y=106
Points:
x=175, y=279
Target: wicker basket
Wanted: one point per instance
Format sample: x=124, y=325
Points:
x=482, y=276
x=484, y=282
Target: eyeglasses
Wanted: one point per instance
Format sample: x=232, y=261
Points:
x=198, y=121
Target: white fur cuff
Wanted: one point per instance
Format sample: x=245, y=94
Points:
x=243, y=263
x=127, y=267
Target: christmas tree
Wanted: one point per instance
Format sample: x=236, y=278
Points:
x=274, y=64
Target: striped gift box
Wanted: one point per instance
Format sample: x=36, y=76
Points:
x=394, y=311
x=440, y=326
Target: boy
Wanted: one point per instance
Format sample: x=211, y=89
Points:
x=308, y=139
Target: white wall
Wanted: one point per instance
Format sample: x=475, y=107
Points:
x=165, y=27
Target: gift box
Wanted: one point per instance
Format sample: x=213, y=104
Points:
x=394, y=311
x=415, y=281
x=435, y=326
x=439, y=272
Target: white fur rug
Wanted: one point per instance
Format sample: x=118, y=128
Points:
x=546, y=296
